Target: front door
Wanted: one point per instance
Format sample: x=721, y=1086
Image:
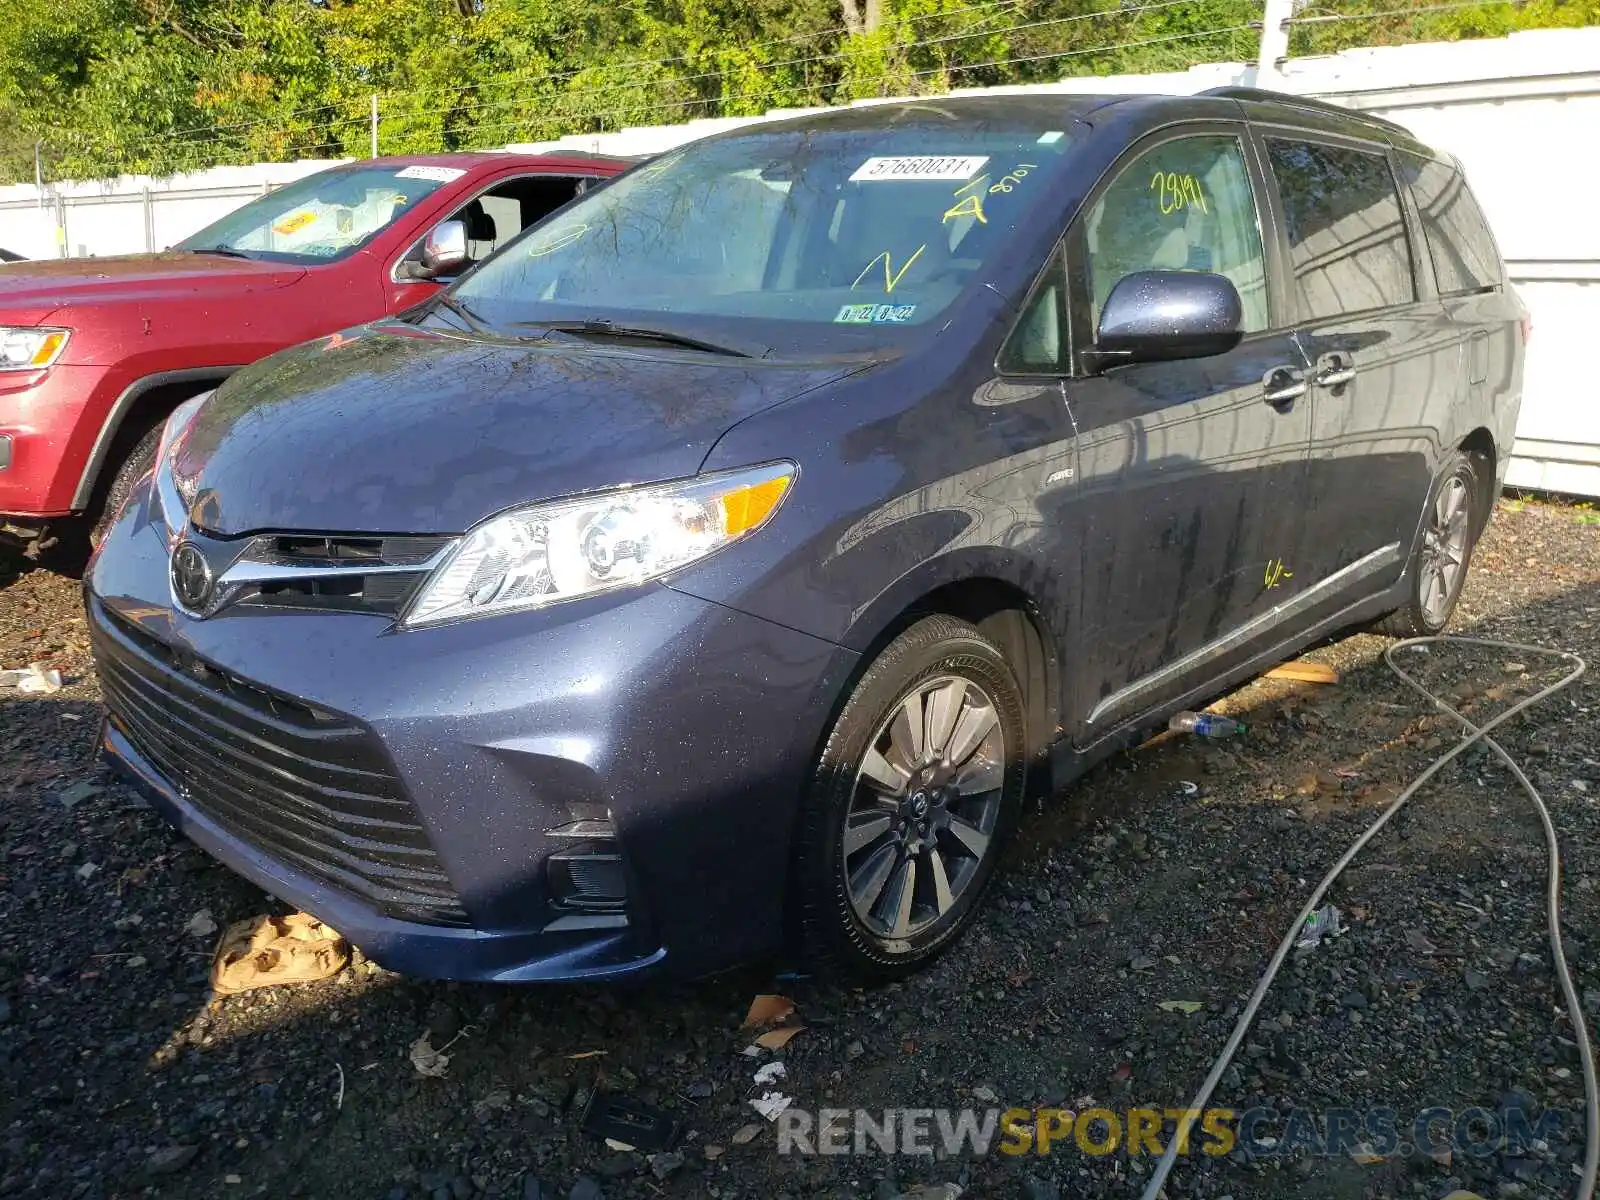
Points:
x=1192, y=473
x=493, y=217
x=1383, y=361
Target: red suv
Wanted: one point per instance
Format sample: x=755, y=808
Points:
x=94, y=353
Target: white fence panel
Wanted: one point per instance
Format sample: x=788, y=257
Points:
x=30, y=230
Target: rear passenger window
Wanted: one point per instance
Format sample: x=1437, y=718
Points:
x=1347, y=237
x=1459, y=241
x=1185, y=205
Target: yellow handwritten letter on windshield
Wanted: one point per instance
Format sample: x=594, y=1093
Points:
x=891, y=277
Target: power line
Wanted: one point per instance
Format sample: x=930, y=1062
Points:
x=792, y=39
x=836, y=57
x=205, y=132
x=898, y=75
x=484, y=106
x=1329, y=18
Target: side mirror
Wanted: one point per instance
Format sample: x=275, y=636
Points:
x=444, y=251
x=1160, y=316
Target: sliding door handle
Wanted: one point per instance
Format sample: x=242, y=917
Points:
x=1334, y=369
x=1282, y=386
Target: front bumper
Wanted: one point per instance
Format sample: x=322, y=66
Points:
x=51, y=420
x=688, y=725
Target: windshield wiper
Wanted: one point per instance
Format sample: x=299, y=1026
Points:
x=610, y=329
x=474, y=322
x=226, y=251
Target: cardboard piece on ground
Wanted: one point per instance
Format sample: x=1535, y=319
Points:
x=266, y=951
x=1306, y=672
x=777, y=1039
x=767, y=1010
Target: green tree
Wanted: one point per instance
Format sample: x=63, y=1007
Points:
x=164, y=85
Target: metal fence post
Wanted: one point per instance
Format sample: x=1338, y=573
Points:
x=1274, y=42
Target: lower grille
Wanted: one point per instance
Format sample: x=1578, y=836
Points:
x=310, y=788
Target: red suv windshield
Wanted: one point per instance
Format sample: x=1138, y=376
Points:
x=323, y=216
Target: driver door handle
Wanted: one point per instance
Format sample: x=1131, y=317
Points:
x=1334, y=369
x=1282, y=386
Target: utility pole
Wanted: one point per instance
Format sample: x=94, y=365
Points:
x=38, y=173
x=374, y=124
x=1274, y=43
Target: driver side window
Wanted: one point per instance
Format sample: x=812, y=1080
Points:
x=1185, y=205
x=494, y=217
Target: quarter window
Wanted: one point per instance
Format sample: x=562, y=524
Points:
x=1185, y=205
x=1036, y=343
x=1347, y=235
x=1459, y=241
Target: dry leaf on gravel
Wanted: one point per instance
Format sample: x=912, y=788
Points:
x=428, y=1061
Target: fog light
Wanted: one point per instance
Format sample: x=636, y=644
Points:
x=586, y=874
x=588, y=880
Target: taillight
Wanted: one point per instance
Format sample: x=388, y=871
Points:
x=1527, y=327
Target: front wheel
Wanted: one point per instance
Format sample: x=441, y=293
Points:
x=915, y=793
x=140, y=459
x=1439, y=564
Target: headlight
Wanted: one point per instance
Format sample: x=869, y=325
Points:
x=546, y=553
x=175, y=497
x=30, y=349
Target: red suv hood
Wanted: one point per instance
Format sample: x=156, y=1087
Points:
x=41, y=286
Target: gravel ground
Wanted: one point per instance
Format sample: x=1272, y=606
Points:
x=123, y=1077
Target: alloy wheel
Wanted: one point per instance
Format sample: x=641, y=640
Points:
x=924, y=808
x=1444, y=549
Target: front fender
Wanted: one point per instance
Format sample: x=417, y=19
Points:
x=126, y=401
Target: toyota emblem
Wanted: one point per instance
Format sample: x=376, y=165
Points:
x=192, y=581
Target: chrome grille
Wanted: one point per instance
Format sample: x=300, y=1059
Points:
x=356, y=574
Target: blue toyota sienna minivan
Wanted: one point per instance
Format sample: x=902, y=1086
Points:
x=719, y=565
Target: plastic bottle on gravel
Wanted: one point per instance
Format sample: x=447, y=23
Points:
x=1206, y=725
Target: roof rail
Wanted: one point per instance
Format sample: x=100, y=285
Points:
x=1237, y=92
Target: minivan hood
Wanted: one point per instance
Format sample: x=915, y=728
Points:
x=395, y=429
x=48, y=284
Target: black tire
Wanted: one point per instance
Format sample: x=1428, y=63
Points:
x=129, y=471
x=1430, y=600
x=921, y=667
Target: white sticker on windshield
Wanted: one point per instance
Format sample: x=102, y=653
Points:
x=922, y=166
x=437, y=174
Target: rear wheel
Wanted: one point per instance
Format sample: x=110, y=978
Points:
x=916, y=791
x=1439, y=564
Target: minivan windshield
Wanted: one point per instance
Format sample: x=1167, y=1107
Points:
x=322, y=217
x=847, y=235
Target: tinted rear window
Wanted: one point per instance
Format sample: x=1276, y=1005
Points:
x=1463, y=250
x=1347, y=234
